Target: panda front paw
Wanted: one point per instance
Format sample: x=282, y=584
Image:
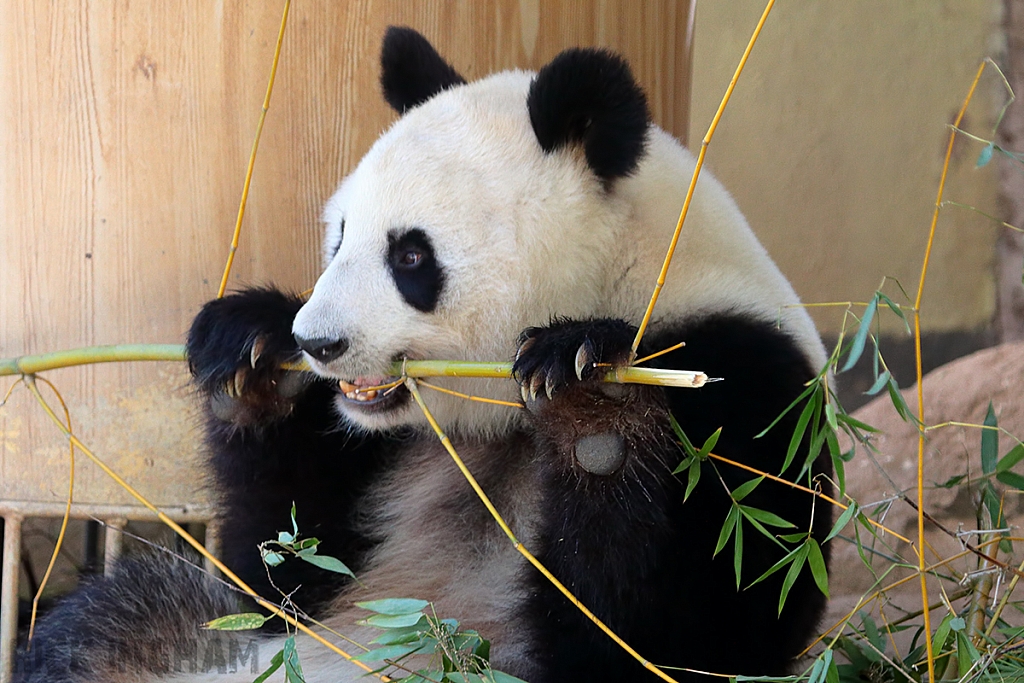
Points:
x=567, y=353
x=236, y=347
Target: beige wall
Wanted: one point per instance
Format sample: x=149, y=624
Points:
x=834, y=139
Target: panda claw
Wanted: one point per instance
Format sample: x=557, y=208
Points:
x=524, y=392
x=257, y=350
x=549, y=386
x=582, y=360
x=525, y=346
x=236, y=387
x=535, y=384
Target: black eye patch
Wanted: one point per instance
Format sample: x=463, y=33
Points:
x=417, y=274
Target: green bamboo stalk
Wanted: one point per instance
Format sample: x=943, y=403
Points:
x=119, y=353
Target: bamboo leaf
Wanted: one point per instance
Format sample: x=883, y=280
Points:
x=395, y=620
x=399, y=636
x=1011, y=479
x=745, y=489
x=804, y=394
x=985, y=155
x=857, y=347
x=709, y=444
x=855, y=423
x=942, y=634
x=237, y=622
x=394, y=606
x=331, y=564
x=683, y=439
x=692, y=478
x=816, y=562
x=392, y=652
x=769, y=518
x=798, y=431
x=832, y=671
x=966, y=653
x=898, y=402
x=727, y=529
x=817, y=674
x=839, y=469
x=292, y=667
x=989, y=442
x=1008, y=461
x=737, y=552
x=275, y=663
x=879, y=384
x=790, y=556
x=830, y=416
x=897, y=310
x=684, y=464
x=794, y=571
x=841, y=523
x=272, y=558
x=871, y=632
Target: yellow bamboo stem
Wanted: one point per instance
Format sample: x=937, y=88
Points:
x=63, y=521
x=252, y=154
x=920, y=375
x=446, y=442
x=696, y=174
x=187, y=537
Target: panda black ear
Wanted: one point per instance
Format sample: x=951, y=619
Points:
x=589, y=97
x=411, y=71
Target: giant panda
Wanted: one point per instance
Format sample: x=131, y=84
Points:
x=522, y=217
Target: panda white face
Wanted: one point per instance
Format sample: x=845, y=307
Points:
x=455, y=232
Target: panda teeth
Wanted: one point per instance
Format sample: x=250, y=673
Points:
x=354, y=393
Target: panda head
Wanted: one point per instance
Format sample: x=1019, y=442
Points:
x=487, y=207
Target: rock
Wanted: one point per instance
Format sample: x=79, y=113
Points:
x=957, y=392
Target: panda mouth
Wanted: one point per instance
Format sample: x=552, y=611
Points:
x=376, y=393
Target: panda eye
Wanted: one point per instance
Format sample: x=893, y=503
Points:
x=415, y=269
x=410, y=259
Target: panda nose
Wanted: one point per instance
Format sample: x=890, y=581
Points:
x=323, y=349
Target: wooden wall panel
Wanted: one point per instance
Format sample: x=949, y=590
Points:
x=125, y=132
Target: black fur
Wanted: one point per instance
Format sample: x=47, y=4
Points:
x=411, y=69
x=589, y=97
x=261, y=467
x=630, y=548
x=414, y=267
x=130, y=623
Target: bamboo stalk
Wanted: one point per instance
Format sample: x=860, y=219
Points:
x=31, y=364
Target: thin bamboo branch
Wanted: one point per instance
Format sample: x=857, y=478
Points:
x=693, y=181
x=920, y=373
x=187, y=537
x=252, y=154
x=446, y=442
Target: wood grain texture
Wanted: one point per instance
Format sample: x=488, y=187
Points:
x=126, y=129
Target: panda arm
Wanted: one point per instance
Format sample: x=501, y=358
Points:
x=273, y=439
x=625, y=542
